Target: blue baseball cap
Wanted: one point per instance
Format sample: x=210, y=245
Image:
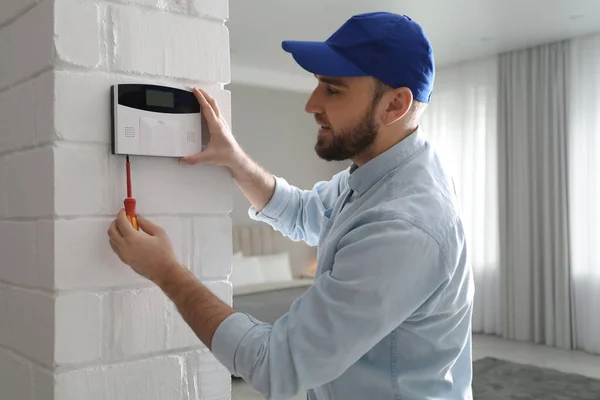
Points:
x=390, y=47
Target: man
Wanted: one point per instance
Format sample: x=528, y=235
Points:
x=389, y=313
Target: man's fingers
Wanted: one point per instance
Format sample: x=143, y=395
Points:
x=207, y=110
x=113, y=246
x=203, y=156
x=148, y=227
x=114, y=233
x=212, y=102
x=124, y=225
x=191, y=160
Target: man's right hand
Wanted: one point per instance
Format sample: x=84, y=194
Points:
x=256, y=183
x=222, y=148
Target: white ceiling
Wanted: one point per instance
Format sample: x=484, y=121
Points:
x=458, y=29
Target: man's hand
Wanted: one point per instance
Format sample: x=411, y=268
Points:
x=222, y=150
x=149, y=253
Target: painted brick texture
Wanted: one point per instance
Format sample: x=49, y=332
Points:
x=78, y=323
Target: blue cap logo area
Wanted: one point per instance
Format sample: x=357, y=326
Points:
x=390, y=47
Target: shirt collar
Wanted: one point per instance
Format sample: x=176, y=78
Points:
x=363, y=178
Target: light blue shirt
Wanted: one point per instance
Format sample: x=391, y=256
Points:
x=389, y=313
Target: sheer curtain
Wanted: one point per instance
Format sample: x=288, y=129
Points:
x=584, y=190
x=535, y=290
x=461, y=124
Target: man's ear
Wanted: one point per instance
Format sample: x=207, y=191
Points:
x=399, y=103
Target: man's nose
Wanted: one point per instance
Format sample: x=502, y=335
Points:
x=313, y=105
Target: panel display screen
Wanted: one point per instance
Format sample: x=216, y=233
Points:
x=158, y=98
x=155, y=98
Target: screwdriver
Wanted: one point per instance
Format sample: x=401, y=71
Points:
x=129, y=202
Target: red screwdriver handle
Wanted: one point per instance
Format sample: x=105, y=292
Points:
x=129, y=203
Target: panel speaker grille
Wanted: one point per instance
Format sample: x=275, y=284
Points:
x=130, y=132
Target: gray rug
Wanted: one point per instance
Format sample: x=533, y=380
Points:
x=495, y=379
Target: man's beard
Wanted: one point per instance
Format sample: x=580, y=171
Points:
x=350, y=142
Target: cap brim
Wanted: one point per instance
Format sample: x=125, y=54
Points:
x=320, y=59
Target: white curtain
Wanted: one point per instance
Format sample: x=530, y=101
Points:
x=584, y=190
x=461, y=124
x=535, y=285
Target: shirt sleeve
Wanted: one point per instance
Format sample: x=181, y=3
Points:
x=382, y=273
x=297, y=213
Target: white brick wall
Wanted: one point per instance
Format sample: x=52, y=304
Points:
x=167, y=5
x=27, y=46
x=78, y=32
x=3, y=186
x=29, y=183
x=30, y=324
x=161, y=377
x=43, y=101
x=209, y=253
x=81, y=341
x=83, y=118
x=157, y=43
x=22, y=379
x=19, y=127
x=206, y=375
x=9, y=9
x=218, y=10
x=140, y=322
x=17, y=239
x=3, y=315
x=76, y=322
x=91, y=262
x=207, y=188
x=15, y=377
x=43, y=383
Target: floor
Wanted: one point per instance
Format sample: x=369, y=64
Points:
x=486, y=346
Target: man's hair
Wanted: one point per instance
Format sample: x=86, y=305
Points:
x=381, y=88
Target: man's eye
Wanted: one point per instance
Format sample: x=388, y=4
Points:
x=331, y=90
